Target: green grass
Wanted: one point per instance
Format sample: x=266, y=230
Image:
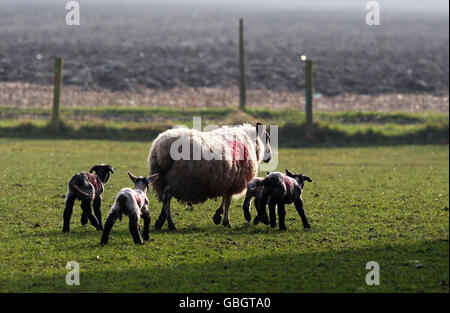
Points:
x=384, y=204
x=134, y=123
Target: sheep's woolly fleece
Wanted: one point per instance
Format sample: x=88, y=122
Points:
x=217, y=163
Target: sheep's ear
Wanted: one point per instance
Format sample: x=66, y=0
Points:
x=288, y=173
x=132, y=177
x=94, y=168
x=268, y=173
x=258, y=124
x=110, y=168
x=151, y=179
x=307, y=179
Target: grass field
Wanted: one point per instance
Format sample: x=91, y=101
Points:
x=384, y=204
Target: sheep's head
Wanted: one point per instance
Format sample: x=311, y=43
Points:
x=143, y=182
x=300, y=178
x=265, y=138
x=102, y=171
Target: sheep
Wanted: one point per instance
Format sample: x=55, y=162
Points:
x=218, y=163
x=134, y=204
x=88, y=188
x=280, y=189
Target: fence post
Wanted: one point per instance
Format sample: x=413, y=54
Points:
x=57, y=92
x=241, y=65
x=309, y=95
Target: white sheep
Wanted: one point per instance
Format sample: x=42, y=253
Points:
x=134, y=204
x=194, y=166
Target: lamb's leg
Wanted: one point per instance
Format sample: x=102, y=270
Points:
x=147, y=219
x=97, y=211
x=226, y=220
x=70, y=200
x=246, y=206
x=108, y=226
x=281, y=215
x=261, y=208
x=86, y=206
x=217, y=218
x=299, y=206
x=134, y=230
x=272, y=215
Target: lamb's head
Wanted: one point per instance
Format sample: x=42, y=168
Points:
x=143, y=182
x=265, y=139
x=102, y=171
x=300, y=178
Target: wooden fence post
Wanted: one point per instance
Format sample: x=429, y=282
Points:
x=309, y=95
x=241, y=65
x=57, y=92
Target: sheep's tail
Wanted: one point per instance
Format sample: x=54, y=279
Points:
x=160, y=162
x=121, y=202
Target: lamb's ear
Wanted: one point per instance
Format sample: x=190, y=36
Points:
x=110, y=168
x=268, y=173
x=94, y=168
x=132, y=177
x=151, y=179
x=307, y=178
x=288, y=173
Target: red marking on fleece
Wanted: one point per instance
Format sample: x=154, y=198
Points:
x=239, y=150
x=93, y=179
x=288, y=180
x=139, y=200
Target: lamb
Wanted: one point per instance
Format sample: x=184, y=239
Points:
x=88, y=188
x=217, y=163
x=253, y=191
x=134, y=204
x=280, y=189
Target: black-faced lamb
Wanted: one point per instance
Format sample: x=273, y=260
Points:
x=195, y=166
x=88, y=188
x=134, y=204
x=279, y=190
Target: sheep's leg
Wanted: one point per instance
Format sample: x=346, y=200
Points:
x=281, y=216
x=272, y=215
x=147, y=219
x=299, y=206
x=165, y=212
x=108, y=226
x=70, y=200
x=97, y=211
x=134, y=230
x=226, y=221
x=86, y=206
x=217, y=218
x=246, y=206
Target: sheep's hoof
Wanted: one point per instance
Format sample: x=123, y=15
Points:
x=283, y=227
x=273, y=225
x=103, y=243
x=217, y=218
x=83, y=221
x=256, y=220
x=172, y=227
x=146, y=236
x=307, y=227
x=247, y=216
x=65, y=230
x=226, y=224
